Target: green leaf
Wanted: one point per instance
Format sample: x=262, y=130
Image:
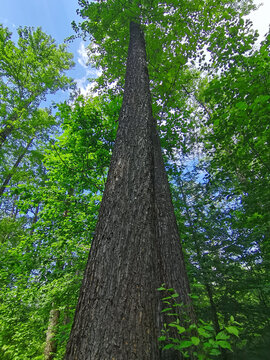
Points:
x=204, y=333
x=195, y=340
x=184, y=344
x=232, y=330
x=161, y=288
x=168, y=346
x=166, y=310
x=162, y=338
x=214, y=352
x=180, y=329
x=208, y=327
x=224, y=345
x=178, y=305
x=222, y=336
x=241, y=105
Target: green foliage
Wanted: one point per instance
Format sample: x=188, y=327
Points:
x=199, y=339
x=225, y=266
x=240, y=131
x=45, y=249
x=30, y=70
x=215, y=134
x=177, y=34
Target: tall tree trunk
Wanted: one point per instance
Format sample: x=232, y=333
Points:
x=136, y=246
x=50, y=347
x=14, y=168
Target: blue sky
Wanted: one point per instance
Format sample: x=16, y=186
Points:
x=55, y=17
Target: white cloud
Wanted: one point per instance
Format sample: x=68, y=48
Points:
x=85, y=87
x=83, y=83
x=83, y=56
x=260, y=17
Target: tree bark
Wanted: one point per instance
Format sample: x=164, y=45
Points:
x=136, y=246
x=50, y=348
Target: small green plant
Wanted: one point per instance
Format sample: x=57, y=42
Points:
x=200, y=339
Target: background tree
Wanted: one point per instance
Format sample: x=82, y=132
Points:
x=42, y=261
x=236, y=141
x=30, y=71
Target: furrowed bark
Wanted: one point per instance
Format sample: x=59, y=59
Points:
x=136, y=246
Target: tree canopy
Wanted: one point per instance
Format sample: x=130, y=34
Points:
x=29, y=71
x=209, y=80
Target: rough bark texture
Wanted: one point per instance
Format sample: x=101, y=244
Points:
x=136, y=246
x=50, y=347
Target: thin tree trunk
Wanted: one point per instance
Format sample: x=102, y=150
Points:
x=4, y=133
x=136, y=246
x=12, y=171
x=34, y=220
x=205, y=270
x=14, y=211
x=67, y=201
x=201, y=261
x=50, y=348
